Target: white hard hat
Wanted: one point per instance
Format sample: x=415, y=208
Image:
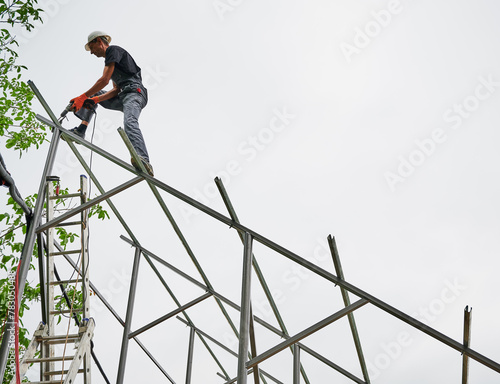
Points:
x=95, y=34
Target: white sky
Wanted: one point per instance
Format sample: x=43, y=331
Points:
x=387, y=141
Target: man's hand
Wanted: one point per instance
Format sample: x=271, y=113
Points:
x=78, y=102
x=90, y=102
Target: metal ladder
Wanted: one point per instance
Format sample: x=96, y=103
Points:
x=45, y=338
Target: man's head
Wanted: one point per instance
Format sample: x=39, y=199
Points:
x=98, y=42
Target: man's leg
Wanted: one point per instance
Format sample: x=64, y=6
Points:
x=133, y=103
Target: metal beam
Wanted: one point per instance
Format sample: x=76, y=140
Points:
x=204, y=334
x=465, y=358
x=189, y=367
x=263, y=373
x=87, y=205
x=253, y=345
x=296, y=364
x=347, y=302
x=255, y=264
x=331, y=364
x=245, y=310
x=128, y=317
x=41, y=274
x=169, y=315
x=314, y=328
x=258, y=271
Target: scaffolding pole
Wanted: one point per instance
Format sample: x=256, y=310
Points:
x=347, y=302
x=30, y=237
x=257, y=269
x=128, y=317
x=189, y=365
x=465, y=358
x=245, y=310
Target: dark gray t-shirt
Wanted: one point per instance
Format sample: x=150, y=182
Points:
x=126, y=70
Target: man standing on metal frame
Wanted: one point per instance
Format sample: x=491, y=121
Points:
x=127, y=95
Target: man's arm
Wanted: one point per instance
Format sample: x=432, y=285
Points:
x=100, y=84
x=103, y=80
x=110, y=94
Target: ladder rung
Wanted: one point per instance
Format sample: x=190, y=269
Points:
x=65, y=252
x=60, y=339
x=49, y=359
x=66, y=196
x=55, y=373
x=66, y=282
x=69, y=223
x=74, y=310
x=46, y=382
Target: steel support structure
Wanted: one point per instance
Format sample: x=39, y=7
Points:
x=128, y=318
x=345, y=296
x=257, y=269
x=246, y=362
x=465, y=358
x=189, y=368
x=296, y=364
x=245, y=310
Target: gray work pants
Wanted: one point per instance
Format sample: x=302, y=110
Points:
x=130, y=102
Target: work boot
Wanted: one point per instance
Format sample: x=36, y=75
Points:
x=149, y=167
x=77, y=132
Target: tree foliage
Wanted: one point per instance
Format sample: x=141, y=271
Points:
x=21, y=131
x=17, y=121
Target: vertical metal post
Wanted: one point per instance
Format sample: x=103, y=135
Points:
x=347, y=302
x=41, y=273
x=253, y=347
x=85, y=271
x=465, y=358
x=258, y=272
x=128, y=318
x=43, y=292
x=296, y=363
x=85, y=247
x=29, y=242
x=189, y=368
x=245, y=310
x=48, y=349
x=176, y=228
